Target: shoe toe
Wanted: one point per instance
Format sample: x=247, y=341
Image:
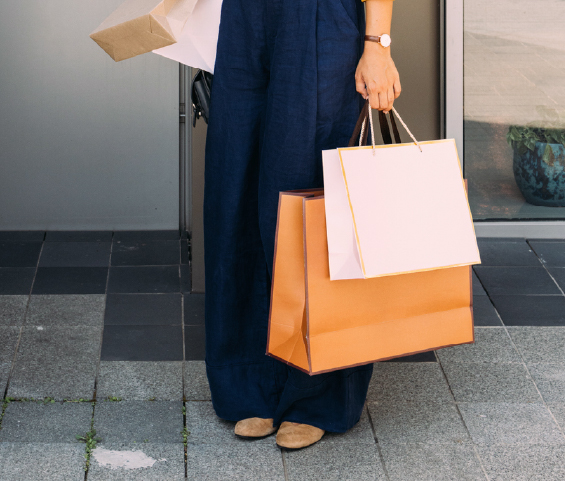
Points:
x=254, y=428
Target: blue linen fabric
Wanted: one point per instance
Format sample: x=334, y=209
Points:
x=283, y=90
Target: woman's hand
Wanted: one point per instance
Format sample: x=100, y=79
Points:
x=376, y=77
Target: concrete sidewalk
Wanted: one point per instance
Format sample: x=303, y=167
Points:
x=494, y=410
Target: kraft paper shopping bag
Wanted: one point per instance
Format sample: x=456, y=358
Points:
x=318, y=325
x=140, y=26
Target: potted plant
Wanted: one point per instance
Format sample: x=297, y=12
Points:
x=539, y=162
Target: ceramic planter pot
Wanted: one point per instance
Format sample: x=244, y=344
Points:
x=541, y=182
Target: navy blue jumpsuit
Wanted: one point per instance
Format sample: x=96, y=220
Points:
x=283, y=90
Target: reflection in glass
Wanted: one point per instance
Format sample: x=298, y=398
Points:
x=514, y=58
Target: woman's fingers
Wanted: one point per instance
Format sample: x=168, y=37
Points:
x=383, y=101
x=390, y=99
x=360, y=86
x=397, y=87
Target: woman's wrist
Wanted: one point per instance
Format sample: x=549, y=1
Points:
x=376, y=49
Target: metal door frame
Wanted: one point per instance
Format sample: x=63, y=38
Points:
x=453, y=80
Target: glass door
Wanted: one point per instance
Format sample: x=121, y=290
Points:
x=514, y=108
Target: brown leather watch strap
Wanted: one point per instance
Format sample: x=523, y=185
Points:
x=373, y=38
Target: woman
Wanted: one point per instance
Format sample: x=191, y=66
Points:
x=287, y=80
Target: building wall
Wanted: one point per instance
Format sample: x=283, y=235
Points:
x=85, y=143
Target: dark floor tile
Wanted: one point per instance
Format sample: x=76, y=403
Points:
x=19, y=254
x=150, y=279
x=194, y=309
x=70, y=280
x=184, y=251
x=428, y=356
x=75, y=254
x=531, y=310
x=484, y=313
x=478, y=289
x=142, y=343
x=146, y=253
x=540, y=239
x=184, y=234
x=143, y=309
x=501, y=239
x=22, y=235
x=516, y=280
x=185, y=279
x=194, y=343
x=16, y=280
x=559, y=275
x=515, y=253
x=550, y=253
x=143, y=235
x=78, y=236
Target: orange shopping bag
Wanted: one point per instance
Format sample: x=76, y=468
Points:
x=319, y=325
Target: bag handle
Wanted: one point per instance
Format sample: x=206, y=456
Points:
x=361, y=131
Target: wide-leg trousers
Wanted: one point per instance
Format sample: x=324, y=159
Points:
x=283, y=91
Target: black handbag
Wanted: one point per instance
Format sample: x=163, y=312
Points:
x=201, y=87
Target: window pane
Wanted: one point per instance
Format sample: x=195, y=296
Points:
x=514, y=59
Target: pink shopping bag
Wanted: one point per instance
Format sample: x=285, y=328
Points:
x=398, y=208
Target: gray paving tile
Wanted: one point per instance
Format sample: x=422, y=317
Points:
x=140, y=380
x=361, y=433
x=8, y=340
x=510, y=423
x=207, y=428
x=12, y=310
x=236, y=462
x=196, y=387
x=58, y=362
x=4, y=373
x=346, y=462
x=523, y=463
x=550, y=380
x=36, y=422
x=558, y=411
x=540, y=344
x=408, y=381
x=424, y=462
x=490, y=382
x=401, y=422
x=137, y=462
x=41, y=462
x=491, y=345
x=66, y=310
x=139, y=421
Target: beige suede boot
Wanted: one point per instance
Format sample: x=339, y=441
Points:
x=293, y=436
x=254, y=428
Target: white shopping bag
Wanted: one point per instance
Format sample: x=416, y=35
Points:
x=342, y=245
x=196, y=45
x=406, y=206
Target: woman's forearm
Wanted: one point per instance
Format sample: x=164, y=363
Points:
x=376, y=77
x=378, y=14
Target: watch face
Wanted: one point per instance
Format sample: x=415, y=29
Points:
x=385, y=40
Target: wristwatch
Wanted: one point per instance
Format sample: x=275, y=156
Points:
x=383, y=39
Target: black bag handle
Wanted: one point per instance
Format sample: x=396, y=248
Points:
x=385, y=129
